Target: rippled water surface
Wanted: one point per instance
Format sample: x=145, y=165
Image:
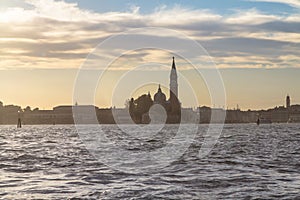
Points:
x=247, y=162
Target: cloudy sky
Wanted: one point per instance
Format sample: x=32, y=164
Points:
x=255, y=44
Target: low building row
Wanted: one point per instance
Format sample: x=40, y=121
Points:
x=88, y=114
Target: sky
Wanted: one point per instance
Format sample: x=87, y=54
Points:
x=254, y=44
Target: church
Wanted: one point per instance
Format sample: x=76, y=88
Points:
x=139, y=108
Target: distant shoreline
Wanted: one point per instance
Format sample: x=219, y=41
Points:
x=89, y=114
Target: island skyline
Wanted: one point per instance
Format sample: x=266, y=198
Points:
x=138, y=110
x=64, y=114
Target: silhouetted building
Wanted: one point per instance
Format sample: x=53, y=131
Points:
x=139, y=108
x=105, y=116
x=85, y=114
x=10, y=114
x=160, y=97
x=174, y=111
x=39, y=117
x=288, y=102
x=63, y=115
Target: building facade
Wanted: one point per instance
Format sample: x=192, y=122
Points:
x=139, y=108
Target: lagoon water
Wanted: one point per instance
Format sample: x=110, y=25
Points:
x=247, y=162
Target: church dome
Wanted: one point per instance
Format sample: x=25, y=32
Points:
x=159, y=97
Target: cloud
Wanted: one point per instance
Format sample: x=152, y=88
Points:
x=292, y=3
x=250, y=17
x=178, y=15
x=56, y=34
x=59, y=10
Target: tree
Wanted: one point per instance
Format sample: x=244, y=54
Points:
x=27, y=109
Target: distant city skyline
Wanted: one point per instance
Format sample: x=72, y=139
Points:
x=255, y=45
x=145, y=110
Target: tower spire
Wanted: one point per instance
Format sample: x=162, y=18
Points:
x=173, y=65
x=173, y=81
x=159, y=89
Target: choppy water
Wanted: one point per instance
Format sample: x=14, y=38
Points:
x=248, y=162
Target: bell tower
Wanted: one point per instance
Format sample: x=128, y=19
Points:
x=288, y=102
x=174, y=114
x=173, y=82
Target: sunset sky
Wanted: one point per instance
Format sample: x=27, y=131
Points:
x=255, y=44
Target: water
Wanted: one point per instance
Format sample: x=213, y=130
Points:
x=248, y=162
